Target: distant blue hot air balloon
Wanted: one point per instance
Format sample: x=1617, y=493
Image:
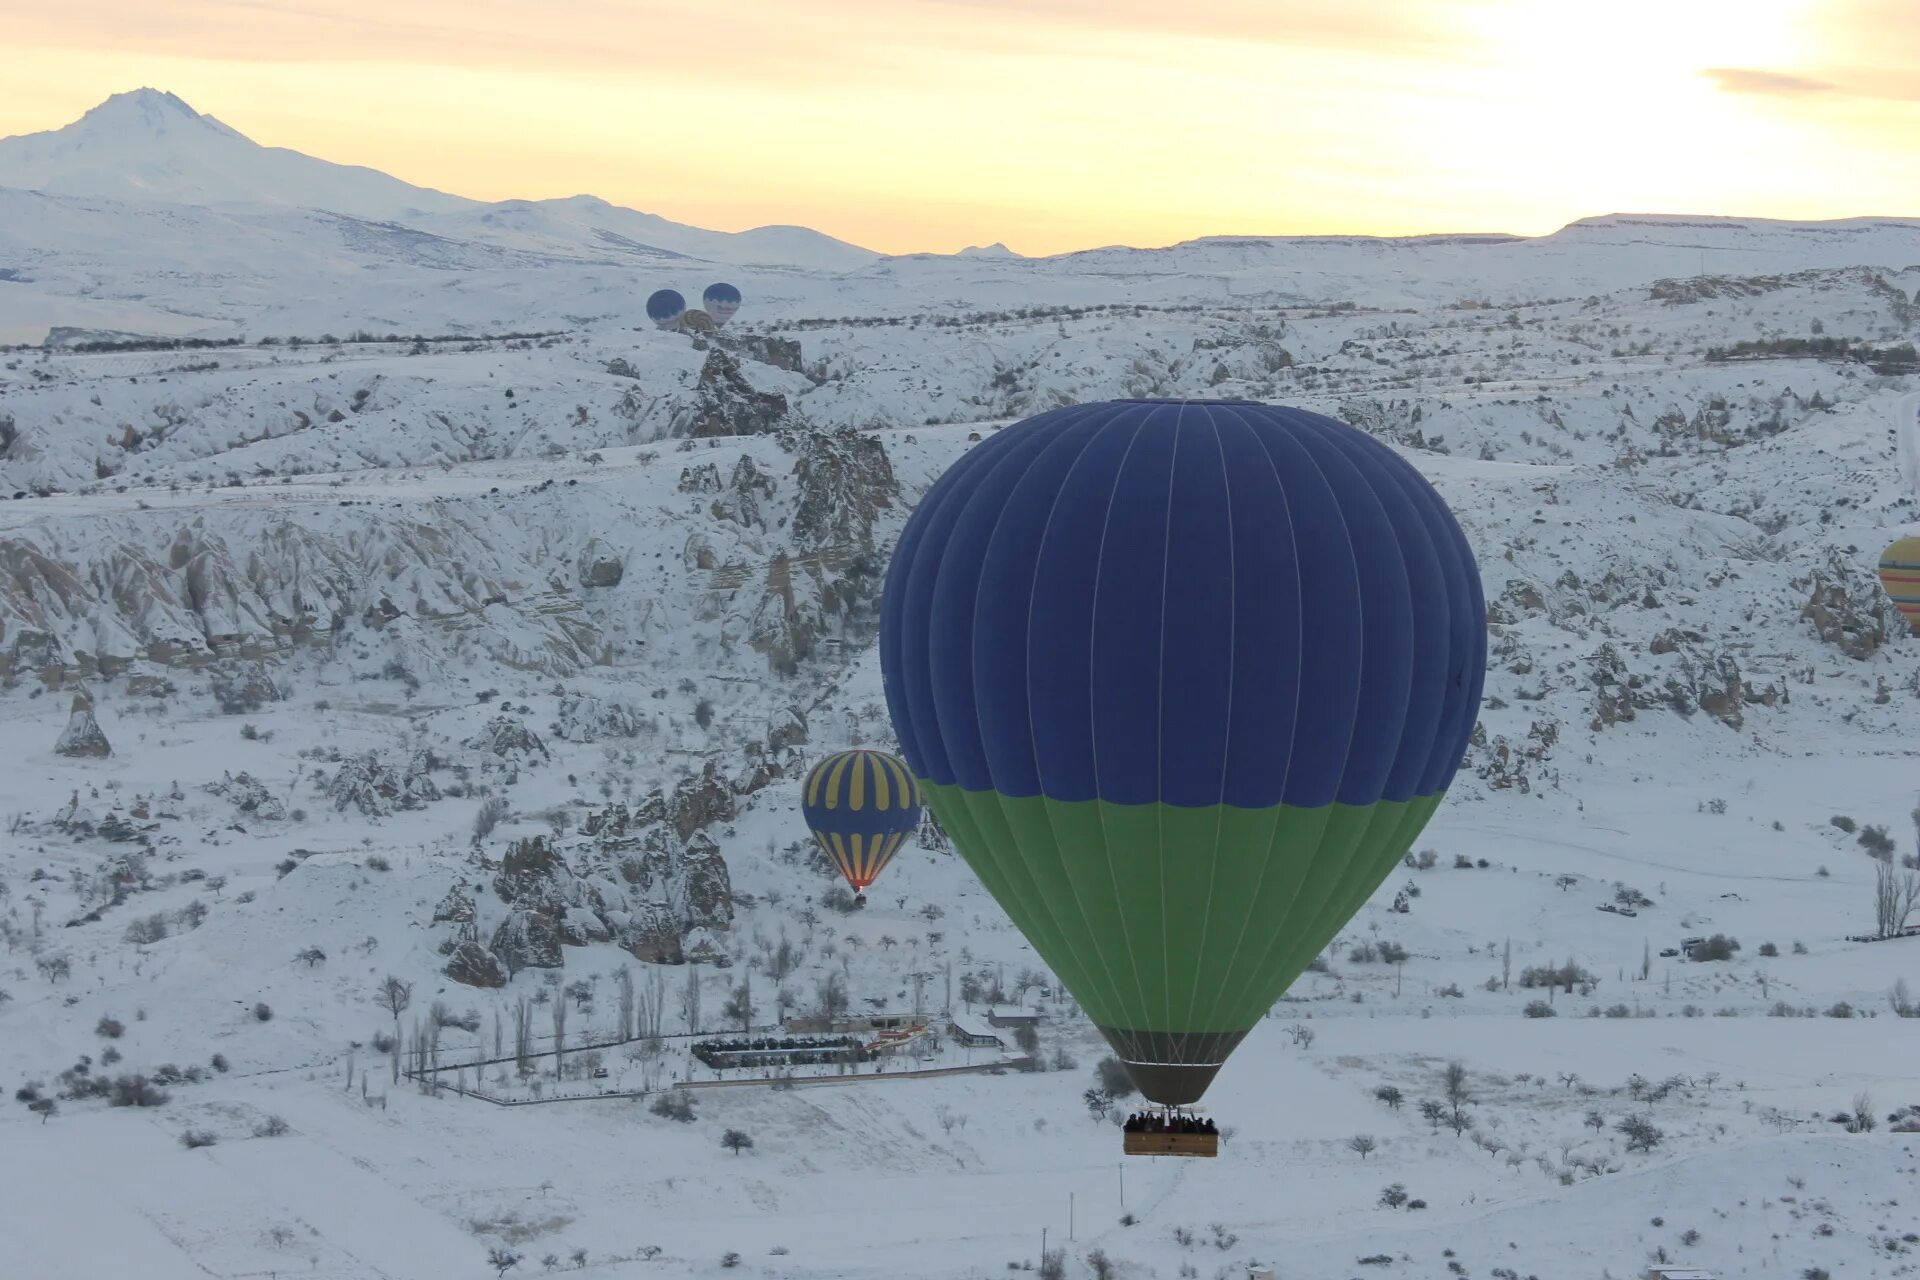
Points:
x=665, y=308
x=721, y=301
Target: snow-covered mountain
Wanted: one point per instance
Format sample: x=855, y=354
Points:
x=148, y=145
x=145, y=217
x=488, y=664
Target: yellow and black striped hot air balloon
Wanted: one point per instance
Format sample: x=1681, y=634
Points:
x=861, y=806
x=1900, y=575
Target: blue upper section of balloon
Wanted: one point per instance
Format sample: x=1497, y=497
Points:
x=665, y=304
x=1184, y=602
x=722, y=293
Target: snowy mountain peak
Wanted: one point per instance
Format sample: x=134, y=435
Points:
x=155, y=110
x=151, y=145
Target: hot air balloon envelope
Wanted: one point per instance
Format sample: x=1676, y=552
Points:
x=665, y=307
x=1900, y=575
x=694, y=320
x=861, y=806
x=721, y=301
x=1183, y=681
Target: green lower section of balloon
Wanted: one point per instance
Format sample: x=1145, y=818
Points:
x=1160, y=918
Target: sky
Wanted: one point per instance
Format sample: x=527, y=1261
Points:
x=1048, y=125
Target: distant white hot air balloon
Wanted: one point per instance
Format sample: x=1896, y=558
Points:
x=721, y=301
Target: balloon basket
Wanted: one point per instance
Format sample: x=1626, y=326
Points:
x=1170, y=1133
x=1171, y=1144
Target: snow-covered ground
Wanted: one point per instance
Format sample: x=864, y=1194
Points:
x=489, y=665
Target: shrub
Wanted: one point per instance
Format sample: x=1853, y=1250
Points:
x=1540, y=1009
x=1877, y=842
x=1718, y=947
x=135, y=1091
x=194, y=1139
x=1394, y=1197
x=1769, y=949
x=272, y=1127
x=263, y=1012
x=677, y=1105
x=378, y=863
x=1845, y=823
x=111, y=1028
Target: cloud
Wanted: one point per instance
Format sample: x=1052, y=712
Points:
x=1773, y=84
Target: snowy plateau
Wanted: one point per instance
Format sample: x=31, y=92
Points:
x=413, y=667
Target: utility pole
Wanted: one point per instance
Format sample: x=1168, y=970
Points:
x=1123, y=1186
x=1069, y=1216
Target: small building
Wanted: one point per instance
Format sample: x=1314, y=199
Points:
x=974, y=1031
x=1676, y=1273
x=1012, y=1017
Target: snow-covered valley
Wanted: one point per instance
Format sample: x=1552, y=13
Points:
x=486, y=661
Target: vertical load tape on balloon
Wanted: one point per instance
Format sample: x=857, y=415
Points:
x=1183, y=681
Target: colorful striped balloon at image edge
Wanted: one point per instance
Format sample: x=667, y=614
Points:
x=1900, y=575
x=1183, y=681
x=861, y=806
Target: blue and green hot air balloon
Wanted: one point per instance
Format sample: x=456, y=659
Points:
x=1183, y=680
x=665, y=307
x=861, y=806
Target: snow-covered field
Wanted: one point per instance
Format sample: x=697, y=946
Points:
x=489, y=665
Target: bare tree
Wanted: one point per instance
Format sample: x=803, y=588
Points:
x=559, y=1036
x=523, y=1036
x=1362, y=1144
x=655, y=1008
x=492, y=810
x=1895, y=896
x=393, y=995
x=690, y=999
x=1641, y=1134
x=831, y=993
x=624, y=981
x=739, y=1006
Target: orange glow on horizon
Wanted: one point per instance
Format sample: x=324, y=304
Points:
x=908, y=125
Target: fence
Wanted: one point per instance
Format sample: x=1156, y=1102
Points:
x=429, y=1078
